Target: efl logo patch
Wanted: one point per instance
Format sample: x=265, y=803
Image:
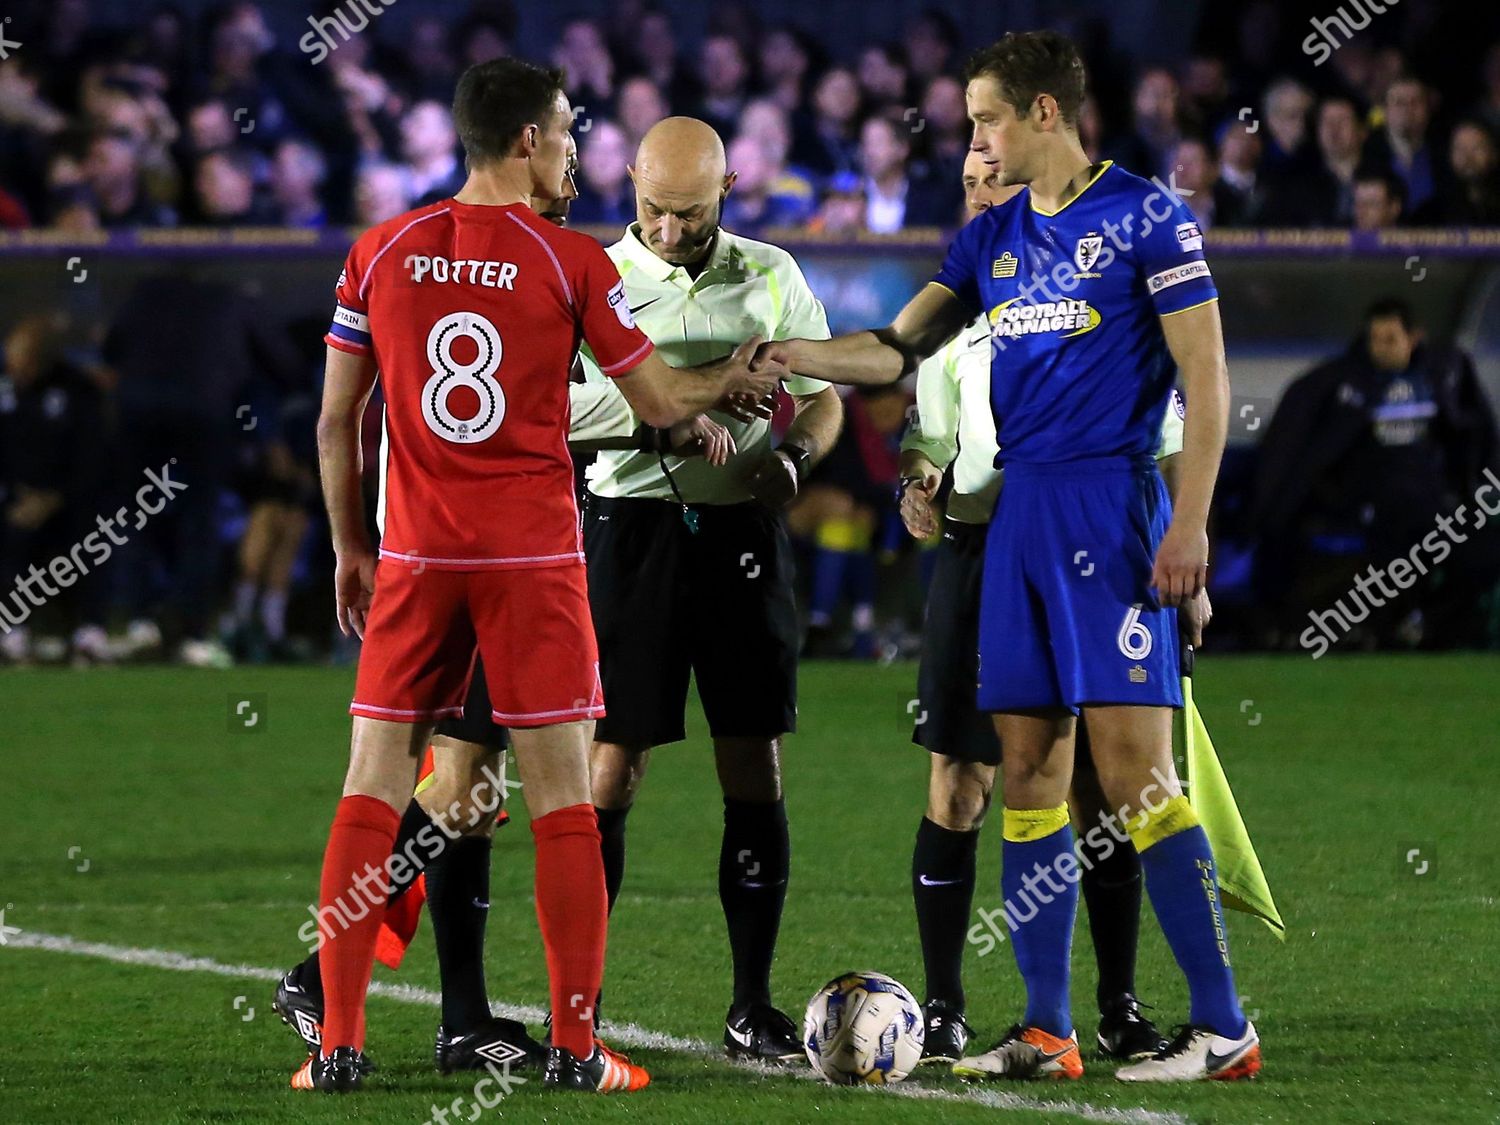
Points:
x=1176, y=276
x=1178, y=405
x=1137, y=675
x=621, y=306
x=1189, y=237
x=1005, y=265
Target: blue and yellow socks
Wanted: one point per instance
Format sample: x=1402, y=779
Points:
x=1184, y=890
x=1039, y=882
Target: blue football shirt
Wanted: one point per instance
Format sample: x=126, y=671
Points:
x=1080, y=366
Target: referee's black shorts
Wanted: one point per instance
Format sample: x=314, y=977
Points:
x=669, y=603
x=949, y=722
x=476, y=724
x=948, y=676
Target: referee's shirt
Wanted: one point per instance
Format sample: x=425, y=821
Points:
x=955, y=424
x=748, y=288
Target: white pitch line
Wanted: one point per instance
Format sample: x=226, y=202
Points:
x=626, y=1034
x=996, y=1099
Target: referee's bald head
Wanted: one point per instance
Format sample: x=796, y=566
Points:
x=680, y=183
x=678, y=150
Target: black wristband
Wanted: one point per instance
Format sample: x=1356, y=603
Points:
x=800, y=458
x=653, y=440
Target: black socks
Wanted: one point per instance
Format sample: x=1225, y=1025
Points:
x=942, y=886
x=1112, y=888
x=753, y=864
x=612, y=844
x=458, y=898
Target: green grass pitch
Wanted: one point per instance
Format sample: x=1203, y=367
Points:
x=140, y=815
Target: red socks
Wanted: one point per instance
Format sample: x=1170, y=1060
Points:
x=573, y=912
x=571, y=908
x=351, y=899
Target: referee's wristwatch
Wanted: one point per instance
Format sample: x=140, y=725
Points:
x=800, y=458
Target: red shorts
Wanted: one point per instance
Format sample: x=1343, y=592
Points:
x=532, y=627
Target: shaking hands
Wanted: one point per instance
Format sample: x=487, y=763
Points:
x=751, y=376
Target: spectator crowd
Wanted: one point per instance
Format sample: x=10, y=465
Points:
x=217, y=120
x=214, y=120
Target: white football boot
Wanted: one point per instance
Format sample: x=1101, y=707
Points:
x=1025, y=1052
x=1199, y=1054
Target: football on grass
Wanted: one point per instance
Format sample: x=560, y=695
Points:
x=863, y=1027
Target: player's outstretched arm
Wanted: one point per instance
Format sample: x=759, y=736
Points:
x=1196, y=341
x=879, y=356
x=663, y=395
x=347, y=384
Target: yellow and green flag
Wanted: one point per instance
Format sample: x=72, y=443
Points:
x=1242, y=883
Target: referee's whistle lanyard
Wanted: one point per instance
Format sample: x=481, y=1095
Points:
x=689, y=516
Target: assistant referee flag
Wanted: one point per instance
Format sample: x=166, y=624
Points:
x=1242, y=882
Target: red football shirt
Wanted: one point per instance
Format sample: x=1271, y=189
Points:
x=473, y=315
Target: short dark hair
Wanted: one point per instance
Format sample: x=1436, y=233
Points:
x=1027, y=64
x=496, y=100
x=894, y=53
x=1195, y=138
x=1387, y=307
x=1395, y=186
x=1479, y=126
x=940, y=23
x=902, y=136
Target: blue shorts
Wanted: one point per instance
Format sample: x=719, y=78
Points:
x=1067, y=615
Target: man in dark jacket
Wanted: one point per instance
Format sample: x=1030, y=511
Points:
x=185, y=348
x=51, y=472
x=1363, y=455
x=1405, y=145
